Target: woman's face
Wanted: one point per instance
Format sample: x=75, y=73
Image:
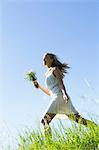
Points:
x=47, y=61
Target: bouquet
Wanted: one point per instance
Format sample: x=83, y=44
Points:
x=31, y=76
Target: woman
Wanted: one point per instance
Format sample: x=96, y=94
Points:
x=60, y=102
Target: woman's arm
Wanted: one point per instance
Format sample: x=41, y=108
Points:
x=57, y=73
x=45, y=90
x=42, y=88
x=62, y=86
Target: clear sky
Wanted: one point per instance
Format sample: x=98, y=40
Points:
x=28, y=29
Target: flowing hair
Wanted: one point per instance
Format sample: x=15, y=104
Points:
x=56, y=63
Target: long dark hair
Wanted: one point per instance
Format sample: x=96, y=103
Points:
x=56, y=63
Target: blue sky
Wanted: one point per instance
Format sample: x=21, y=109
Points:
x=27, y=31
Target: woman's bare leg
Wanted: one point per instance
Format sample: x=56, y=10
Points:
x=79, y=119
x=45, y=121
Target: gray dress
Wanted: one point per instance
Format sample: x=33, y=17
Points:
x=57, y=104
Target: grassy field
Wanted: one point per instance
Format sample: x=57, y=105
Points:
x=77, y=137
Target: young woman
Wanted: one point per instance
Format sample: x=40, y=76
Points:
x=60, y=101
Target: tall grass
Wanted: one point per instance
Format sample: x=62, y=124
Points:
x=77, y=137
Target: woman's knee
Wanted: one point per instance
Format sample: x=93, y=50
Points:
x=46, y=119
x=74, y=117
x=80, y=119
x=77, y=117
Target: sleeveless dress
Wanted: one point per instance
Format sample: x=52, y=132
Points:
x=57, y=104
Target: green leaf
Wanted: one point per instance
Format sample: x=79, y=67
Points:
x=31, y=76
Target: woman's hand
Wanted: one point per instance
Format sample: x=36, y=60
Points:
x=36, y=84
x=65, y=97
